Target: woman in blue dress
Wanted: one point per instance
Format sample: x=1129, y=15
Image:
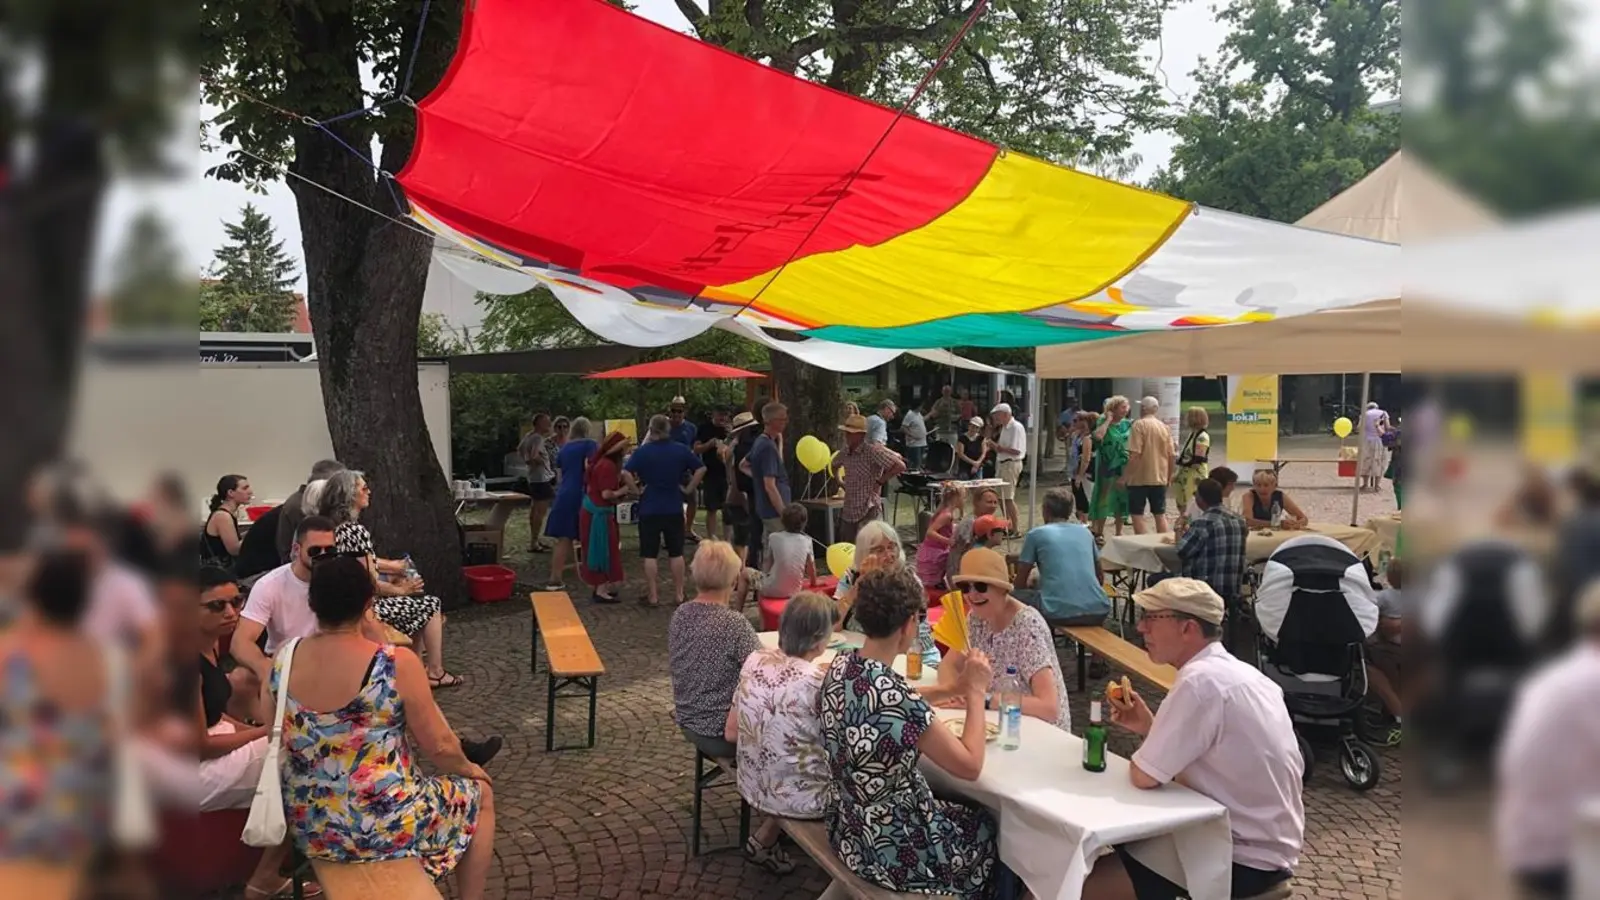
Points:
x=571, y=461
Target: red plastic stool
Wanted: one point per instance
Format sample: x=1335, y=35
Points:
x=771, y=611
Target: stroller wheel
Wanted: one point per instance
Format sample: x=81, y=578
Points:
x=1307, y=757
x=1360, y=766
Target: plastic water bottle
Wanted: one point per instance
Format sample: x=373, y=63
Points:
x=483, y=482
x=411, y=568
x=1011, y=709
x=1277, y=514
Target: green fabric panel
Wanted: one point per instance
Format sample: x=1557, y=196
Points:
x=974, y=330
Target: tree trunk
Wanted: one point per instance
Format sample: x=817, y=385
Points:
x=47, y=227
x=813, y=397
x=365, y=276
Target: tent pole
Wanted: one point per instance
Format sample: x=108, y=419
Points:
x=1361, y=448
x=1033, y=453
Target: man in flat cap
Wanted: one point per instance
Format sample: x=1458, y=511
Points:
x=1223, y=731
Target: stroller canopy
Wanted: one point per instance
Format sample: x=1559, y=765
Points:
x=1315, y=600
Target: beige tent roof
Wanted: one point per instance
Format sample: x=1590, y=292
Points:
x=1400, y=190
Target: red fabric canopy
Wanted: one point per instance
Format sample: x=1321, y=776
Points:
x=677, y=368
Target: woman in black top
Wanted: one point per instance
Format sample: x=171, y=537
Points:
x=1256, y=506
x=219, y=540
x=970, y=450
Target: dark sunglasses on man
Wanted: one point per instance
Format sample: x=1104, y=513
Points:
x=325, y=553
x=217, y=606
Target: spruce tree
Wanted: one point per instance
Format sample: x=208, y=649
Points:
x=252, y=280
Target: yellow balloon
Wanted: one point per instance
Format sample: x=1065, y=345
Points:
x=1342, y=426
x=1460, y=427
x=812, y=453
x=841, y=557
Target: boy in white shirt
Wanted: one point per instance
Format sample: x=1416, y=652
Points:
x=789, y=561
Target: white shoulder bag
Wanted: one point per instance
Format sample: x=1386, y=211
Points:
x=266, y=825
x=133, y=815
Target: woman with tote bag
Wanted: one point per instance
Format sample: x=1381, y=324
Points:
x=340, y=698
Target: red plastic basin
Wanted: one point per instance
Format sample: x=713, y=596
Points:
x=259, y=510
x=489, y=584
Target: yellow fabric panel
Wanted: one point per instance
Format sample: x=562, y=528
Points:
x=1030, y=235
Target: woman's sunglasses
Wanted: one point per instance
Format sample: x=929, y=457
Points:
x=217, y=606
x=972, y=587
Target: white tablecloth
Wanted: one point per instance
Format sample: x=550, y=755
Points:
x=1055, y=817
x=1149, y=553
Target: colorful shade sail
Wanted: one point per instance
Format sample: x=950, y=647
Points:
x=622, y=164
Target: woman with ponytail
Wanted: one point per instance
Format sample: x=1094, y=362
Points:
x=219, y=541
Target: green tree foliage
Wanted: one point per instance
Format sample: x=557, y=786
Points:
x=150, y=288
x=251, y=287
x=1511, y=114
x=1281, y=122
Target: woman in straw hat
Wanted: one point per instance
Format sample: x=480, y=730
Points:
x=600, y=565
x=1009, y=633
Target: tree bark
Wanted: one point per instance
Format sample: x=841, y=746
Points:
x=813, y=397
x=47, y=226
x=365, y=276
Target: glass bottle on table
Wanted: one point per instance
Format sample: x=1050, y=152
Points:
x=914, y=653
x=1094, y=740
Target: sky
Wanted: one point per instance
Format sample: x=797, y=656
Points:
x=197, y=208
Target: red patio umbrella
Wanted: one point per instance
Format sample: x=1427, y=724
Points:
x=677, y=368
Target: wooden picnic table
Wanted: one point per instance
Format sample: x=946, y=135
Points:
x=1279, y=464
x=500, y=503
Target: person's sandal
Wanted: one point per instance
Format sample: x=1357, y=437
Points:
x=773, y=858
x=447, y=680
x=308, y=890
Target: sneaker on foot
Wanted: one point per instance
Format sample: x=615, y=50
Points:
x=773, y=859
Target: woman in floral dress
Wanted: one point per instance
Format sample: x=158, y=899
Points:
x=400, y=604
x=1010, y=633
x=56, y=737
x=886, y=825
x=351, y=788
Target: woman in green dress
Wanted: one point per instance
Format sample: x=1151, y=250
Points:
x=1110, y=499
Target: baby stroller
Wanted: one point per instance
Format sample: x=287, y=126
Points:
x=1316, y=610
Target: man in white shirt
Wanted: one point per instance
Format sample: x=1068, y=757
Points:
x=280, y=605
x=878, y=423
x=280, y=602
x=915, y=430
x=1223, y=731
x=1010, y=450
x=1549, y=765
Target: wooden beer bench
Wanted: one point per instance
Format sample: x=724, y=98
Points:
x=571, y=658
x=812, y=837
x=1115, y=650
